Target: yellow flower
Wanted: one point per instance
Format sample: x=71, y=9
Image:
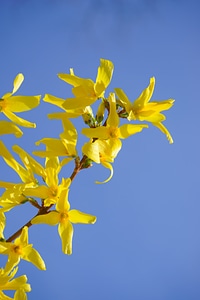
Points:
x=21, y=249
x=14, y=192
x=112, y=129
x=65, y=146
x=50, y=192
x=63, y=216
x=10, y=104
x=103, y=152
x=106, y=148
x=143, y=110
x=8, y=283
x=86, y=91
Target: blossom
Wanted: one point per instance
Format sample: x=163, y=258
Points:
x=13, y=194
x=65, y=146
x=86, y=91
x=19, y=284
x=50, y=192
x=21, y=249
x=103, y=152
x=63, y=216
x=10, y=104
x=143, y=110
x=112, y=131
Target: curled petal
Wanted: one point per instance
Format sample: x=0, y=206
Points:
x=165, y=131
x=108, y=166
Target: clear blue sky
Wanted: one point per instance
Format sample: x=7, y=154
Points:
x=146, y=243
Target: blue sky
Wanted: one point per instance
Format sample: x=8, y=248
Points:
x=145, y=244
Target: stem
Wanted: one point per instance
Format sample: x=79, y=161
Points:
x=43, y=210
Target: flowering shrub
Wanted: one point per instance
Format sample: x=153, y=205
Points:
x=50, y=196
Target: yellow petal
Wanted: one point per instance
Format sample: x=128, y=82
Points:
x=76, y=216
x=128, y=129
x=22, y=103
x=17, y=82
x=165, y=131
x=104, y=75
x=91, y=150
x=39, y=192
x=78, y=103
x=65, y=231
x=99, y=132
x=63, y=203
x=32, y=255
x=18, y=120
x=51, y=218
x=126, y=103
x=20, y=295
x=7, y=127
x=145, y=96
x=108, y=166
x=53, y=100
x=113, y=118
x=75, y=80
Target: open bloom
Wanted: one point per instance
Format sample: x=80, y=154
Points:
x=103, y=152
x=10, y=104
x=86, y=91
x=143, y=110
x=63, y=216
x=13, y=194
x=18, y=284
x=108, y=143
x=21, y=249
x=65, y=146
x=51, y=190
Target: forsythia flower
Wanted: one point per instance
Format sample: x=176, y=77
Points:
x=103, y=152
x=21, y=249
x=112, y=133
x=63, y=216
x=65, y=146
x=14, y=192
x=50, y=192
x=8, y=283
x=10, y=104
x=143, y=110
x=86, y=91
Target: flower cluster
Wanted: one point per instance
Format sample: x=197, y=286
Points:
x=41, y=185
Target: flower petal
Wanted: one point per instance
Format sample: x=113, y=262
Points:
x=22, y=103
x=18, y=120
x=52, y=218
x=108, y=166
x=76, y=216
x=7, y=127
x=65, y=231
x=17, y=82
x=128, y=129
